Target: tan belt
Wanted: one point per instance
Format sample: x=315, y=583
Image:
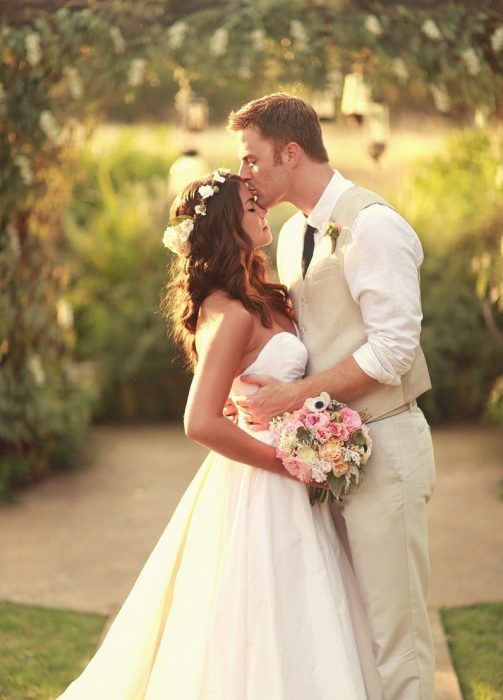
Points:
x=394, y=411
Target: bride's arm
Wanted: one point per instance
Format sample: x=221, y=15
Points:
x=223, y=335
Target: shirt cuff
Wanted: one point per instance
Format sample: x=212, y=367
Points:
x=367, y=361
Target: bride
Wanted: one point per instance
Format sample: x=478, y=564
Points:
x=248, y=594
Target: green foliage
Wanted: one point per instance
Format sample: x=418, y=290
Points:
x=475, y=635
x=53, y=68
x=462, y=356
x=455, y=194
x=43, y=650
x=455, y=205
x=284, y=41
x=114, y=229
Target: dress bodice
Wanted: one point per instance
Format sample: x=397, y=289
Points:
x=283, y=357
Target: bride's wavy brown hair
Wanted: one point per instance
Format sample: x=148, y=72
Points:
x=222, y=257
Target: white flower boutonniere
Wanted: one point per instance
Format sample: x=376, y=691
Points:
x=333, y=231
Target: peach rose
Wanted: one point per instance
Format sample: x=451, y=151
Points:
x=331, y=451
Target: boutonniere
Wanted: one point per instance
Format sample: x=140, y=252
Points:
x=333, y=231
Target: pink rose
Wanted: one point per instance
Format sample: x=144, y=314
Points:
x=297, y=468
x=317, y=420
x=340, y=431
x=323, y=434
x=351, y=418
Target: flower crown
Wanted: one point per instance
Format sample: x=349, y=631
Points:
x=176, y=236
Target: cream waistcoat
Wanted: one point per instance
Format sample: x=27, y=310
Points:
x=331, y=323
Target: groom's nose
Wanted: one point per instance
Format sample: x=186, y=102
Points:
x=244, y=171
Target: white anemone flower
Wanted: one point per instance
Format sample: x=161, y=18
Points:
x=318, y=403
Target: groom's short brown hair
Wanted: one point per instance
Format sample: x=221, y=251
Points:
x=282, y=118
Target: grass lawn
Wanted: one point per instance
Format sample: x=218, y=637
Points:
x=475, y=637
x=43, y=650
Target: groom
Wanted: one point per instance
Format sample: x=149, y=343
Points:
x=351, y=264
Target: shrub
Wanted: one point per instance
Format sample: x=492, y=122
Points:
x=114, y=229
x=455, y=204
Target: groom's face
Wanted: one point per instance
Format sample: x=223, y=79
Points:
x=265, y=172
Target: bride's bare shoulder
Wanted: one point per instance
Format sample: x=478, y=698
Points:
x=221, y=314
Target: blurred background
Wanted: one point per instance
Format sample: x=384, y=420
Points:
x=108, y=108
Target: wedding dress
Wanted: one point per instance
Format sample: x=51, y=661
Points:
x=247, y=595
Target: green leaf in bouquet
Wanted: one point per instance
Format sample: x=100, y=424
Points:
x=304, y=436
x=336, y=484
x=358, y=438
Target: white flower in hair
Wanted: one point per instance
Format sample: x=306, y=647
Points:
x=217, y=176
x=176, y=236
x=206, y=191
x=200, y=209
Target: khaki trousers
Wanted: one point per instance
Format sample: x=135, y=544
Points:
x=385, y=526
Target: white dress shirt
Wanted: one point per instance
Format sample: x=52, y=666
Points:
x=381, y=269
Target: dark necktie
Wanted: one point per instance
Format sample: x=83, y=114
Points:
x=307, y=251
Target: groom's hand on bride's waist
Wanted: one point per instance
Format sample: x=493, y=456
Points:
x=272, y=399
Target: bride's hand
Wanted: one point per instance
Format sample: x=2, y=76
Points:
x=230, y=411
x=272, y=399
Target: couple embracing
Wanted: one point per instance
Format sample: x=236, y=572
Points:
x=252, y=593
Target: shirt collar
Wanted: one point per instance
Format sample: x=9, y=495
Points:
x=320, y=215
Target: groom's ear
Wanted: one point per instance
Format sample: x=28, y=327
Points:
x=291, y=153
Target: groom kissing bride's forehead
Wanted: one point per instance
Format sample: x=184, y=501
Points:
x=351, y=264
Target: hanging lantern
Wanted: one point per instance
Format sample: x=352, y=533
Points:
x=378, y=129
x=355, y=98
x=323, y=104
x=196, y=114
x=189, y=166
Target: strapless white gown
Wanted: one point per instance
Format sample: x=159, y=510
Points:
x=246, y=596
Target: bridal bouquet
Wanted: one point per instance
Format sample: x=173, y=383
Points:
x=325, y=442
